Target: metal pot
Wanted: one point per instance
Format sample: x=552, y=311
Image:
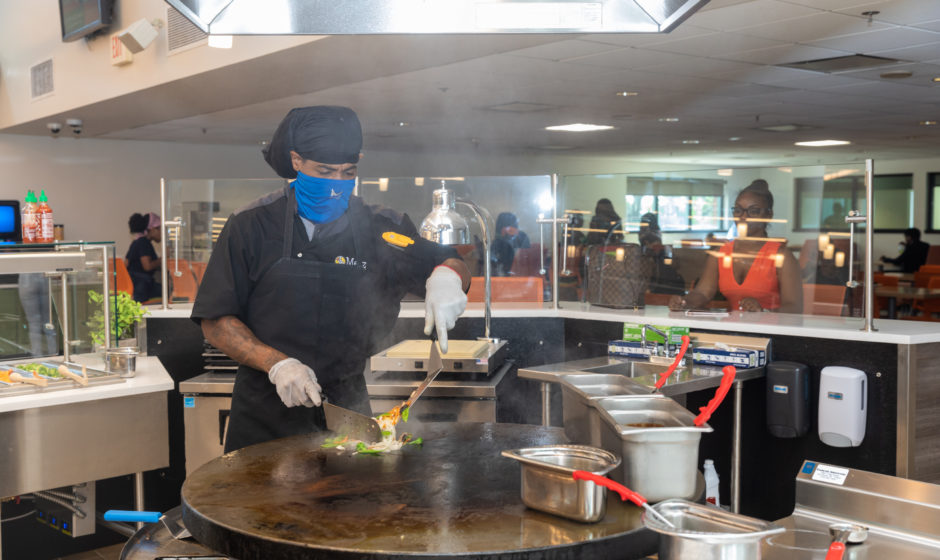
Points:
x=707, y=533
x=121, y=360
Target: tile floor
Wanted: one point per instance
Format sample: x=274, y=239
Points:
x=112, y=552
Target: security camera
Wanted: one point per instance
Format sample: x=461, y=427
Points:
x=75, y=125
x=54, y=127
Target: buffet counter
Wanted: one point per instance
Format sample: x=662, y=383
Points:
x=64, y=437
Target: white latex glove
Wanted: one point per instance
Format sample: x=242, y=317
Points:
x=296, y=383
x=444, y=301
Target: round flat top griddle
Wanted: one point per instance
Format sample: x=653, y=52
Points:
x=452, y=497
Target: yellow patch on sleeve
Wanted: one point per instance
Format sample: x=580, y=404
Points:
x=397, y=239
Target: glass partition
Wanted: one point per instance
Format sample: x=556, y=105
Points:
x=648, y=238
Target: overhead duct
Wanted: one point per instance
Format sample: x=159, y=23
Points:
x=378, y=17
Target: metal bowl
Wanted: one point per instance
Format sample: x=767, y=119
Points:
x=547, y=484
x=121, y=360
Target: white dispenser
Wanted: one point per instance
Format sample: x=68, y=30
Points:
x=843, y=406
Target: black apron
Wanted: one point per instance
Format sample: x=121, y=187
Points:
x=318, y=313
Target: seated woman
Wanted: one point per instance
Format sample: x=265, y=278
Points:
x=141, y=259
x=752, y=272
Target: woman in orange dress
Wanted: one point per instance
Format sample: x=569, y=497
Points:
x=753, y=272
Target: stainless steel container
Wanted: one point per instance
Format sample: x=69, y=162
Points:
x=657, y=442
x=579, y=390
x=706, y=532
x=547, y=484
x=121, y=360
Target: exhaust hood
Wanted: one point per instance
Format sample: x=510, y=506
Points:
x=376, y=17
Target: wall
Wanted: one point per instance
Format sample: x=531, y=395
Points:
x=30, y=33
x=94, y=185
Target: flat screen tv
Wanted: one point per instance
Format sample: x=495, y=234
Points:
x=10, y=231
x=80, y=18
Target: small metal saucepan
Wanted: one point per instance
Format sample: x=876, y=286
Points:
x=843, y=533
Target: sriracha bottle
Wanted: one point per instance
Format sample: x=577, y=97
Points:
x=45, y=233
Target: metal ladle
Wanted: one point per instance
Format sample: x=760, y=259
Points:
x=844, y=533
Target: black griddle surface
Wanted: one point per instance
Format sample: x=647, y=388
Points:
x=452, y=497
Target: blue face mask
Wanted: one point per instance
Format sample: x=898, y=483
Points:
x=322, y=200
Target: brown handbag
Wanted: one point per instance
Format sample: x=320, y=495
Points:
x=617, y=275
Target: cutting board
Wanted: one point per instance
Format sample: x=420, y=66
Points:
x=456, y=349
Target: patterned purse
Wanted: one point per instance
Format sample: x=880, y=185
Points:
x=617, y=275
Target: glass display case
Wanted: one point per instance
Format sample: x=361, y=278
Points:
x=45, y=306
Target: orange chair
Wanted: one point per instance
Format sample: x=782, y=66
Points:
x=183, y=280
x=823, y=299
x=525, y=262
x=508, y=288
x=927, y=307
x=930, y=269
x=933, y=255
x=123, y=282
x=882, y=302
x=199, y=270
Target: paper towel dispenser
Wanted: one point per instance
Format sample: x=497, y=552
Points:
x=788, y=406
x=843, y=406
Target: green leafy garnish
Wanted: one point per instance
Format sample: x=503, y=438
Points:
x=386, y=433
x=363, y=448
x=417, y=441
x=404, y=414
x=335, y=442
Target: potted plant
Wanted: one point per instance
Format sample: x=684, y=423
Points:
x=125, y=315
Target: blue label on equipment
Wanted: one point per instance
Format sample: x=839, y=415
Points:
x=834, y=396
x=189, y=402
x=808, y=467
x=782, y=389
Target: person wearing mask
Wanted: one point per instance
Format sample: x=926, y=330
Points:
x=508, y=238
x=141, y=259
x=304, y=281
x=913, y=252
x=752, y=272
x=603, y=224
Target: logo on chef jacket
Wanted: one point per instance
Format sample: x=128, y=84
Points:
x=350, y=261
x=334, y=194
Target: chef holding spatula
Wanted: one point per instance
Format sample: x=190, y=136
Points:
x=303, y=281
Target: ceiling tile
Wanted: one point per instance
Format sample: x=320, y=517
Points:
x=563, y=50
x=878, y=39
x=807, y=29
x=920, y=53
x=906, y=12
x=715, y=44
x=783, y=54
x=737, y=16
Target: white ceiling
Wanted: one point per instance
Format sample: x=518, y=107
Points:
x=716, y=73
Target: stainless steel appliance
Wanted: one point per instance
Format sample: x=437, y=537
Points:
x=207, y=401
x=902, y=516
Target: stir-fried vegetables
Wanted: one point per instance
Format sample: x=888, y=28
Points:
x=389, y=441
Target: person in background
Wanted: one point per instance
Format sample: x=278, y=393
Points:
x=141, y=259
x=305, y=281
x=603, y=224
x=913, y=254
x=836, y=220
x=665, y=279
x=33, y=290
x=752, y=272
x=508, y=238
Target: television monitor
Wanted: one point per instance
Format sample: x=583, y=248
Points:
x=80, y=18
x=10, y=231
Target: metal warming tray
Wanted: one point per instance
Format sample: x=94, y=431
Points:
x=579, y=390
x=547, y=484
x=409, y=355
x=702, y=531
x=657, y=442
x=95, y=377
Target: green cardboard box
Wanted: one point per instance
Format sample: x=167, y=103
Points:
x=634, y=332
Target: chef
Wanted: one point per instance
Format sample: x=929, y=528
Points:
x=305, y=280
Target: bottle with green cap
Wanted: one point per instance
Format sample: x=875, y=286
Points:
x=30, y=218
x=45, y=232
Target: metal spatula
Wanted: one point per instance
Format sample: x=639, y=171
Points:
x=350, y=423
x=435, y=365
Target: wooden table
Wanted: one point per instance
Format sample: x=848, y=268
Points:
x=895, y=293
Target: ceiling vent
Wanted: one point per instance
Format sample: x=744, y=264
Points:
x=40, y=80
x=839, y=64
x=520, y=107
x=181, y=33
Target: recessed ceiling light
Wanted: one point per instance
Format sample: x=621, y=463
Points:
x=690, y=141
x=668, y=119
x=789, y=127
x=403, y=124
x=627, y=94
x=579, y=127
x=821, y=143
x=734, y=138
x=937, y=79
x=928, y=123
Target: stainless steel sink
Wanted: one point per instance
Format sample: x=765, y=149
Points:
x=633, y=368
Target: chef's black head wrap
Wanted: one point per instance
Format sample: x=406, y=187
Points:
x=325, y=134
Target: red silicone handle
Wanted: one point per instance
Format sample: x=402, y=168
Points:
x=835, y=551
x=625, y=493
x=665, y=375
x=726, y=380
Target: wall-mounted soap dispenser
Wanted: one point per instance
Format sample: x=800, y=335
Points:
x=788, y=406
x=843, y=406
